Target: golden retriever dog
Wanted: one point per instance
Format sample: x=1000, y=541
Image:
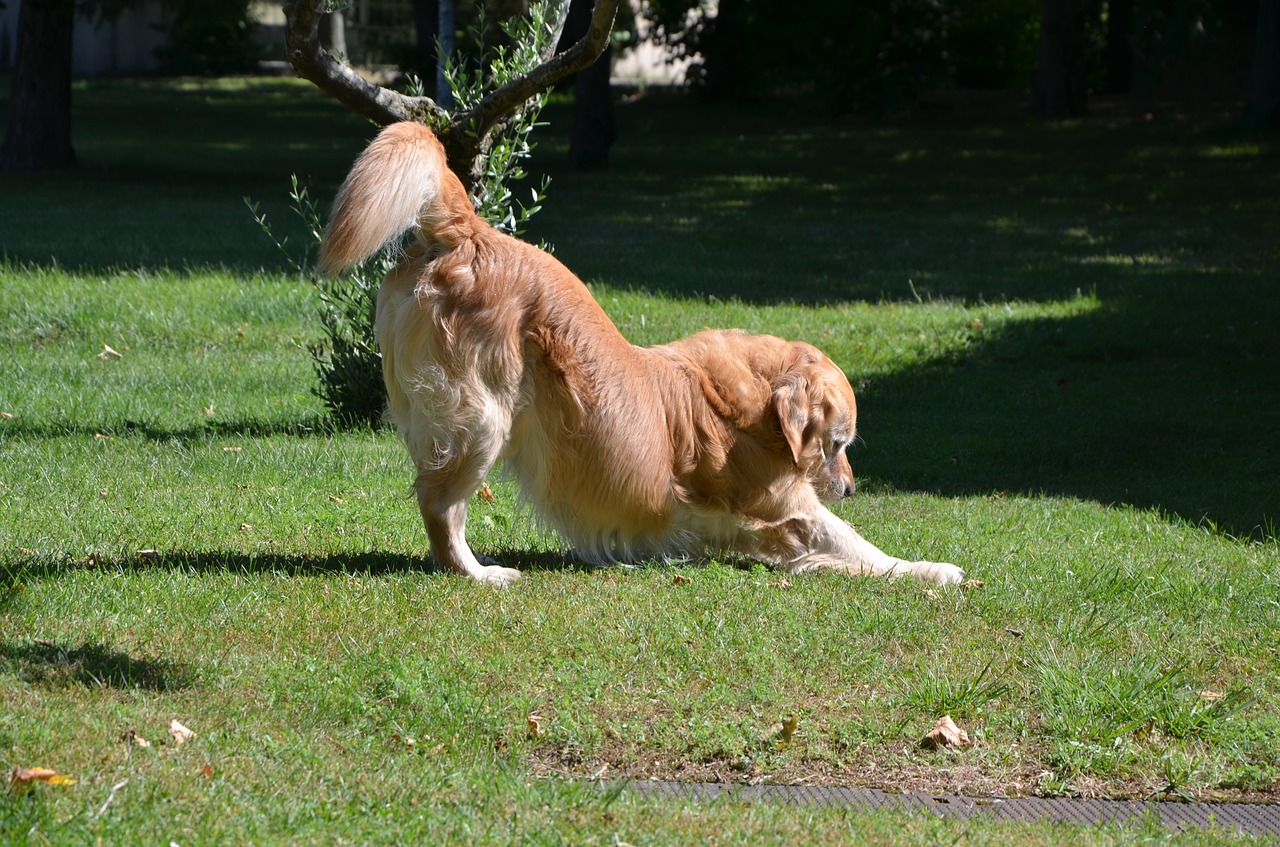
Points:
x=493, y=352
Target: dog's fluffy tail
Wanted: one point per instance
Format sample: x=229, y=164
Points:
x=399, y=183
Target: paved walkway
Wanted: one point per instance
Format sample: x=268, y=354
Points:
x=1254, y=818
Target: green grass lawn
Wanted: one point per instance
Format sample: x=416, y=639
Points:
x=1064, y=344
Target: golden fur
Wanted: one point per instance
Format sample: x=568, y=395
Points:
x=493, y=351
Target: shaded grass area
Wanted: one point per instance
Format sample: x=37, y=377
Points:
x=1074, y=403
x=164, y=168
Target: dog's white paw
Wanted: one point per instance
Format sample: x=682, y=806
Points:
x=496, y=575
x=943, y=573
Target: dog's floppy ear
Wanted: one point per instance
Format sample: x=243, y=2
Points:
x=791, y=403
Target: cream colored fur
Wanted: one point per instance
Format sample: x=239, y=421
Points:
x=493, y=351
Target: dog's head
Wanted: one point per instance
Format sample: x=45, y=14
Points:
x=817, y=416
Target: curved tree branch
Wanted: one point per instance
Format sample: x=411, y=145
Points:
x=312, y=62
x=465, y=134
x=501, y=102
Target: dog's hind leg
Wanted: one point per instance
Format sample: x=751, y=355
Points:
x=443, y=491
x=442, y=499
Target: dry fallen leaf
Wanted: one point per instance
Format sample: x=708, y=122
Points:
x=782, y=583
x=333, y=499
x=180, y=733
x=131, y=737
x=681, y=579
x=209, y=410
x=972, y=585
x=789, y=724
x=535, y=726
x=1211, y=695
x=244, y=527
x=783, y=730
x=149, y=555
x=486, y=494
x=22, y=778
x=945, y=733
x=207, y=771
x=8, y=416
x=108, y=353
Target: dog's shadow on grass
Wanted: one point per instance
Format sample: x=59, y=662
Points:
x=91, y=665
x=293, y=565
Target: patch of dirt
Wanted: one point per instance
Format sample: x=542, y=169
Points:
x=889, y=768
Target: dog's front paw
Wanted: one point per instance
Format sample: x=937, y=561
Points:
x=496, y=575
x=943, y=573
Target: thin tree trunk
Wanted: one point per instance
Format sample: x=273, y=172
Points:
x=1060, y=89
x=1118, y=53
x=426, y=27
x=1263, y=108
x=39, y=132
x=593, y=129
x=448, y=29
x=333, y=33
x=721, y=52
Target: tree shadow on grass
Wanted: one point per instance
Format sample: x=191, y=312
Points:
x=311, y=426
x=780, y=212
x=91, y=665
x=1172, y=410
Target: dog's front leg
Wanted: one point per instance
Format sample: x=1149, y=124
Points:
x=834, y=545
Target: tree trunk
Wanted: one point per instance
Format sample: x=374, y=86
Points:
x=1060, y=89
x=426, y=27
x=1263, y=108
x=447, y=26
x=1118, y=53
x=721, y=52
x=39, y=132
x=333, y=33
x=593, y=128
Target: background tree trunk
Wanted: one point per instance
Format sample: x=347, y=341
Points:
x=1263, y=108
x=1118, y=52
x=447, y=28
x=720, y=53
x=333, y=33
x=593, y=129
x=1060, y=89
x=426, y=27
x=39, y=132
